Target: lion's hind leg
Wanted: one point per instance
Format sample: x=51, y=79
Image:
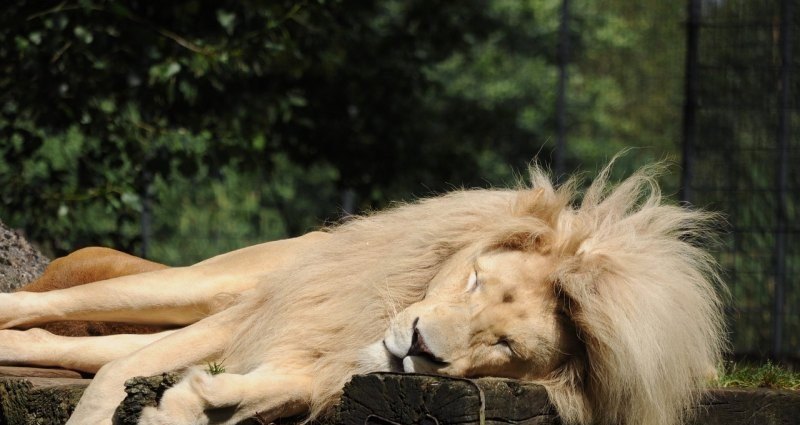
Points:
x=228, y=399
x=37, y=347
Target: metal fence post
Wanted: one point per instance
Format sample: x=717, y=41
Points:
x=561, y=99
x=782, y=139
x=690, y=99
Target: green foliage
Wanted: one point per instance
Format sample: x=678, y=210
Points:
x=768, y=375
x=627, y=89
x=228, y=123
x=138, y=93
x=238, y=209
x=215, y=368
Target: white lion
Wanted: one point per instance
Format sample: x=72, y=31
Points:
x=609, y=303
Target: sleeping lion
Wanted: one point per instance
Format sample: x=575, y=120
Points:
x=609, y=302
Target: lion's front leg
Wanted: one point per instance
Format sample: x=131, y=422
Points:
x=191, y=345
x=37, y=347
x=228, y=399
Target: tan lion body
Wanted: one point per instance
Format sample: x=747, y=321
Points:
x=606, y=304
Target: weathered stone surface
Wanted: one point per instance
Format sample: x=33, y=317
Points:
x=508, y=400
x=757, y=406
x=142, y=392
x=390, y=398
x=418, y=399
x=39, y=401
x=20, y=262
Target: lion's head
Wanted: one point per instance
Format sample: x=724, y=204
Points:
x=610, y=304
x=491, y=314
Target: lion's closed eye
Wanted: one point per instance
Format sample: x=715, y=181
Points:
x=505, y=344
x=472, y=281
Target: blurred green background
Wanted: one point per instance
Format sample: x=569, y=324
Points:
x=183, y=129
x=235, y=122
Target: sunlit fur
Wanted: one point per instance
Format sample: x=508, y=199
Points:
x=641, y=293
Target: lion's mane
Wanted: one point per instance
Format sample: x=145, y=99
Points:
x=641, y=292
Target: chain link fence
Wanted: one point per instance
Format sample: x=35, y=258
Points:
x=741, y=155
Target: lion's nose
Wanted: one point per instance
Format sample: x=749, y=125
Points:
x=419, y=347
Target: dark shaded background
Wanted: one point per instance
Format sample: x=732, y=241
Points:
x=179, y=130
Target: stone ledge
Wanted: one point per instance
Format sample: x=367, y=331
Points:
x=40, y=401
x=390, y=398
x=393, y=398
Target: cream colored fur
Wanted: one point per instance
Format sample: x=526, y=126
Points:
x=609, y=303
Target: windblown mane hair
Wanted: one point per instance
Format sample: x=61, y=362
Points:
x=644, y=298
x=639, y=290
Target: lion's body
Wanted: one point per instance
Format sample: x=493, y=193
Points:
x=606, y=304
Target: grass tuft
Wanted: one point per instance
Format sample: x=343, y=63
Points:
x=767, y=375
x=215, y=368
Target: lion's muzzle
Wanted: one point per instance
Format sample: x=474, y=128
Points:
x=420, y=349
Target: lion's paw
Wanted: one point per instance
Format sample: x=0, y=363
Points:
x=201, y=384
x=7, y=310
x=160, y=416
x=20, y=347
x=16, y=308
x=152, y=416
x=180, y=405
x=171, y=416
x=9, y=344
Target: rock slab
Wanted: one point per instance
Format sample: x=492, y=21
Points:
x=39, y=401
x=142, y=392
x=20, y=262
x=392, y=399
x=746, y=406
